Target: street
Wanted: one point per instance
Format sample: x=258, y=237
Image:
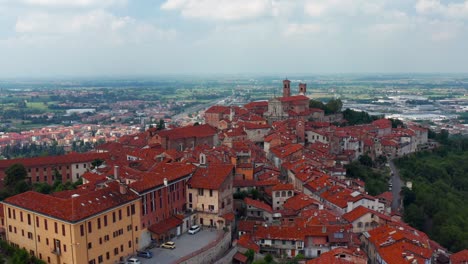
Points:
x=396, y=188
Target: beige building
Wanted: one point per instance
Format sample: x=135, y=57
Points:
x=209, y=194
x=80, y=226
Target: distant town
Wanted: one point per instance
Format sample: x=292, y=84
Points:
x=300, y=170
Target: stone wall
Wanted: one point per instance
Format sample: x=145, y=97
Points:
x=211, y=252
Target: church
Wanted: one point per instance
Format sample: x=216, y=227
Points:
x=287, y=106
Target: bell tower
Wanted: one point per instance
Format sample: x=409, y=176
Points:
x=286, y=88
x=302, y=88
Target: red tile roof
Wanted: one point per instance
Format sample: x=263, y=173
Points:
x=299, y=202
x=460, y=257
x=218, y=109
x=356, y=213
x=155, y=178
x=189, y=131
x=246, y=241
x=85, y=205
x=294, y=98
x=211, y=177
x=283, y=187
x=284, y=151
x=55, y=160
x=258, y=204
x=165, y=225
x=240, y=257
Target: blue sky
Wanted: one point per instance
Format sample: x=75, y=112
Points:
x=46, y=38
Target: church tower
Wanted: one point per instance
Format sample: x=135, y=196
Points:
x=302, y=88
x=286, y=88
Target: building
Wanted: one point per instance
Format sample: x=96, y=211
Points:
x=44, y=169
x=282, y=108
x=79, y=226
x=189, y=137
x=209, y=194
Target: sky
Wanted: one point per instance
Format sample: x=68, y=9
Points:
x=51, y=38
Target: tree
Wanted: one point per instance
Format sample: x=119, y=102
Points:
x=14, y=174
x=366, y=160
x=250, y=254
x=268, y=258
x=316, y=104
x=333, y=106
x=161, y=124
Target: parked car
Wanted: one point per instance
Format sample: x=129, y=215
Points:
x=145, y=254
x=194, y=229
x=133, y=261
x=169, y=244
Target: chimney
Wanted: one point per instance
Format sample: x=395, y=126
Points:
x=116, y=172
x=122, y=188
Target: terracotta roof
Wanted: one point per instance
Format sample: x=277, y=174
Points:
x=74, y=209
x=240, y=257
x=246, y=241
x=189, y=131
x=299, y=202
x=211, y=177
x=280, y=232
x=293, y=98
x=284, y=151
x=356, y=213
x=460, y=257
x=386, y=195
x=54, y=160
x=256, y=104
x=165, y=225
x=218, y=109
x=283, y=186
x=258, y=204
x=229, y=217
x=155, y=178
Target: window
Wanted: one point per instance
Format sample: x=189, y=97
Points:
x=38, y=238
x=107, y=255
x=21, y=216
x=90, y=227
x=129, y=244
x=77, y=166
x=121, y=248
x=30, y=235
x=99, y=223
x=63, y=230
x=133, y=209
x=64, y=248
x=120, y=214
x=29, y=219
x=200, y=192
x=45, y=224
x=92, y=261
x=56, y=227
x=211, y=207
x=47, y=241
x=113, y=217
x=105, y=220
x=211, y=193
x=90, y=245
x=81, y=230
x=9, y=213
x=116, y=251
x=37, y=221
x=100, y=259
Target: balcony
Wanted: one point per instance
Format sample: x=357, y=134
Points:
x=56, y=251
x=206, y=210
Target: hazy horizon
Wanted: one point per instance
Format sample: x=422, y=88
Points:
x=115, y=38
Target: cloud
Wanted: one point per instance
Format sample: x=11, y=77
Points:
x=318, y=8
x=228, y=10
x=458, y=10
x=93, y=26
x=304, y=29
x=69, y=3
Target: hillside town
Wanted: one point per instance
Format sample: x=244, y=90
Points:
x=264, y=179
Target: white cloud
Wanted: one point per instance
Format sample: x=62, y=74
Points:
x=70, y=3
x=318, y=8
x=449, y=10
x=94, y=26
x=304, y=29
x=222, y=9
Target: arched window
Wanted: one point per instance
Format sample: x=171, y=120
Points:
x=283, y=193
x=359, y=224
x=289, y=193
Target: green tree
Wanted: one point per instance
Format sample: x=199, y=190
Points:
x=366, y=160
x=333, y=106
x=161, y=124
x=268, y=258
x=14, y=174
x=316, y=104
x=250, y=254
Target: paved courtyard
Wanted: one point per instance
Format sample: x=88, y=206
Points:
x=185, y=244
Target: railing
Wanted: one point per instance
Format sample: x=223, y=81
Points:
x=203, y=249
x=210, y=211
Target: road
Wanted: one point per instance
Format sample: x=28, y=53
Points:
x=396, y=188
x=197, y=108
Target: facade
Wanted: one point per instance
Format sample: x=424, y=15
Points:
x=43, y=169
x=281, y=193
x=209, y=194
x=93, y=226
x=183, y=138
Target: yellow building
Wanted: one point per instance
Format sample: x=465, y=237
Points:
x=209, y=194
x=79, y=226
